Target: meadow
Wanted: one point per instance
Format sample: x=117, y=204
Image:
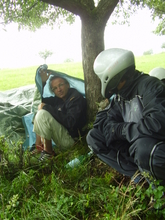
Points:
x=55, y=191
x=13, y=78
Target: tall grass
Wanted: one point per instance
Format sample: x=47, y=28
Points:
x=13, y=78
x=91, y=191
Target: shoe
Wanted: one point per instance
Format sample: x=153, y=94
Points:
x=136, y=178
x=45, y=156
x=36, y=149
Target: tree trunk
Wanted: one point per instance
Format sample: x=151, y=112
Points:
x=92, y=38
x=93, y=21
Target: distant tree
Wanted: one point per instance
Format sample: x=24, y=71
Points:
x=163, y=46
x=68, y=60
x=148, y=52
x=45, y=54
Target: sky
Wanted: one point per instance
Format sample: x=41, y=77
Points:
x=21, y=48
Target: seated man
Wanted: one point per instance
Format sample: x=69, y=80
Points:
x=129, y=135
x=59, y=118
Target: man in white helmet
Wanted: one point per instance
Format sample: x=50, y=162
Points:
x=158, y=72
x=129, y=135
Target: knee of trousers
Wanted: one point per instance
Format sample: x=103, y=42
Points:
x=96, y=141
x=94, y=135
x=157, y=161
x=41, y=115
x=89, y=137
x=150, y=156
x=140, y=150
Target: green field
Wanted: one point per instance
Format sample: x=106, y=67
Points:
x=13, y=78
x=148, y=62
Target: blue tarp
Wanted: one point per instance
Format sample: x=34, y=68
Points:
x=19, y=106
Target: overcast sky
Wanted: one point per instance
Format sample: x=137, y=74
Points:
x=21, y=48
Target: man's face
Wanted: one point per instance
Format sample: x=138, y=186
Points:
x=60, y=88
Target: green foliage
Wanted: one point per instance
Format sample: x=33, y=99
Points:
x=123, y=12
x=157, y=9
x=32, y=14
x=90, y=191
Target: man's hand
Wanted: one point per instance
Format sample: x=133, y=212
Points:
x=113, y=126
x=103, y=104
x=40, y=106
x=44, y=75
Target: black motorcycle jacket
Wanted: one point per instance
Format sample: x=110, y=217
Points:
x=139, y=109
x=71, y=113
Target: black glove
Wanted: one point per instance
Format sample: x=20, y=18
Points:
x=113, y=125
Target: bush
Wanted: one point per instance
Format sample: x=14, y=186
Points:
x=148, y=52
x=68, y=60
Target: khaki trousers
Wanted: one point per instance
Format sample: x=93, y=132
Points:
x=48, y=128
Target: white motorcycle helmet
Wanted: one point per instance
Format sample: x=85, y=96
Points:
x=158, y=72
x=110, y=66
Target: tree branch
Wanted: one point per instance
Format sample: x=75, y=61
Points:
x=73, y=6
x=86, y=8
x=106, y=7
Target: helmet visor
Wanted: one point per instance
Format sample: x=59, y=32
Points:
x=111, y=88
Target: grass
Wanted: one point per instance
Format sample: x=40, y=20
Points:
x=148, y=62
x=91, y=191
x=26, y=76
x=13, y=78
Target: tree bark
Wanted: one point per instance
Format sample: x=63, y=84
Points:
x=92, y=38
